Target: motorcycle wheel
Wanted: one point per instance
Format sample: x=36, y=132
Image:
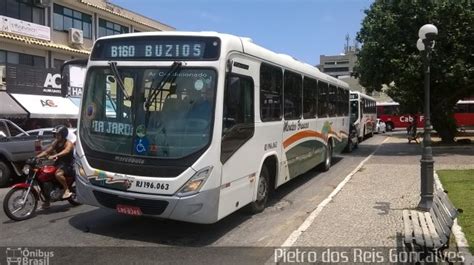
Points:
x=73, y=199
x=13, y=207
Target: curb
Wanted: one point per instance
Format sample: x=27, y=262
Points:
x=461, y=241
x=454, y=147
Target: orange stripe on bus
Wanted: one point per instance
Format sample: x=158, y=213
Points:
x=300, y=135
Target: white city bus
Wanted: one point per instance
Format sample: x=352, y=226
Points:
x=363, y=114
x=200, y=124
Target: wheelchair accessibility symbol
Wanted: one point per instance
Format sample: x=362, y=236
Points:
x=141, y=146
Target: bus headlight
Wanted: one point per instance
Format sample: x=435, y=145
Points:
x=26, y=169
x=195, y=183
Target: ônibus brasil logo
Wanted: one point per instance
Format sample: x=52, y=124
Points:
x=25, y=256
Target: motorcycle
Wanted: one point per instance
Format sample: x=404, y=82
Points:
x=21, y=201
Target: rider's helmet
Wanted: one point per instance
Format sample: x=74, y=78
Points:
x=61, y=130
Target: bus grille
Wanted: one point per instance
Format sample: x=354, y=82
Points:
x=152, y=207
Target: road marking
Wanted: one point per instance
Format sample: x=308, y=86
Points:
x=310, y=219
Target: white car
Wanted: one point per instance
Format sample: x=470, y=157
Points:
x=71, y=136
x=380, y=127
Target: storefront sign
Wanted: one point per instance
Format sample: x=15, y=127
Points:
x=21, y=79
x=20, y=27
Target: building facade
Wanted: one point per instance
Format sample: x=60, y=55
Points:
x=338, y=65
x=342, y=67
x=37, y=36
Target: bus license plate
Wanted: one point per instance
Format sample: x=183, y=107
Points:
x=129, y=210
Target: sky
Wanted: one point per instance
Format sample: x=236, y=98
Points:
x=304, y=29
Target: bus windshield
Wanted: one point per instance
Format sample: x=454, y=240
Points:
x=139, y=117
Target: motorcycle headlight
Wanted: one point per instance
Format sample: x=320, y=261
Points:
x=26, y=169
x=195, y=183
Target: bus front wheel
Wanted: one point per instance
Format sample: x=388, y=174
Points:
x=263, y=190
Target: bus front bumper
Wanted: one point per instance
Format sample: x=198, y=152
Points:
x=198, y=208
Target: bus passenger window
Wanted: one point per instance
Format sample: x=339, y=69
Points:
x=322, y=99
x=271, y=87
x=310, y=87
x=292, y=94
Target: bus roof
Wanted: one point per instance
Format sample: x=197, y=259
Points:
x=465, y=102
x=245, y=45
x=388, y=103
x=393, y=103
x=362, y=95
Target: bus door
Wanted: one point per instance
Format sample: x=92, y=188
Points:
x=238, y=156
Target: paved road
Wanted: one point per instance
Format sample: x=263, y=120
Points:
x=63, y=225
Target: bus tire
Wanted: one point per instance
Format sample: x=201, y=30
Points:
x=5, y=174
x=263, y=190
x=328, y=157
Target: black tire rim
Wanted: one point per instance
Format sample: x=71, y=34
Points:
x=262, y=189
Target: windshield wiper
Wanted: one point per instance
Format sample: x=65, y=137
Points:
x=167, y=78
x=118, y=78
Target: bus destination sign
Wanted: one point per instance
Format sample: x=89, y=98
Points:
x=157, y=48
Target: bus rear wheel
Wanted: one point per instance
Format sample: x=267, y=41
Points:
x=263, y=191
x=328, y=158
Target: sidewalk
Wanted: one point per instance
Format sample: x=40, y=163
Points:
x=367, y=212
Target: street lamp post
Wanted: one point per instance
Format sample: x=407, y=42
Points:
x=425, y=44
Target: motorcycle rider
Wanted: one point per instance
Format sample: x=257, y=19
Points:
x=61, y=150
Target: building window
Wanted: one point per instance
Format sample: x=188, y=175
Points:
x=337, y=69
x=329, y=63
x=23, y=10
x=66, y=18
x=107, y=28
x=21, y=58
x=58, y=63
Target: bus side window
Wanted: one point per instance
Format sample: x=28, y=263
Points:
x=238, y=119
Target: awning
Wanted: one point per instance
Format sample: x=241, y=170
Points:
x=76, y=101
x=48, y=107
x=9, y=108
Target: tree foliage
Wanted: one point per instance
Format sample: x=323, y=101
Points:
x=389, y=55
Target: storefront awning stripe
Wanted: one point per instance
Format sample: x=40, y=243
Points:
x=48, y=107
x=47, y=44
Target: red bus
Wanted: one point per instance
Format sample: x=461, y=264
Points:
x=389, y=112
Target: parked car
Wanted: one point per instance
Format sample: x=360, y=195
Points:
x=15, y=150
x=48, y=133
x=380, y=127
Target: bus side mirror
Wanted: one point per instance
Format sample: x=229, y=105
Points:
x=66, y=74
